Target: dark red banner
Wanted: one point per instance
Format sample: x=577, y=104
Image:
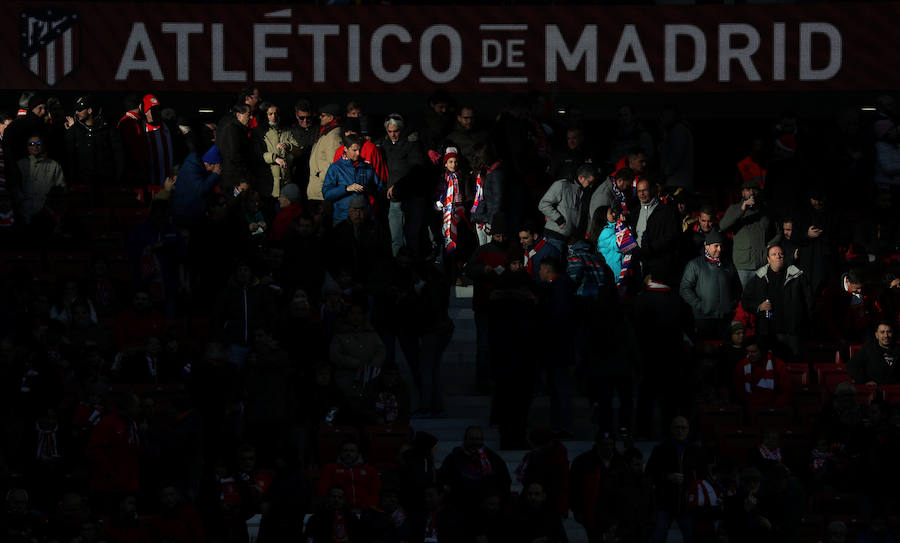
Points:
x=207, y=47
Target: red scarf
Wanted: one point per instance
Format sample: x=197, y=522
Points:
x=452, y=213
x=484, y=461
x=717, y=262
x=766, y=381
x=653, y=286
x=325, y=127
x=530, y=254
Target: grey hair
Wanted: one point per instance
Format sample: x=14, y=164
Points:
x=394, y=119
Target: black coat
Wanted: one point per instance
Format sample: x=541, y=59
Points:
x=870, y=364
x=237, y=151
x=458, y=472
x=666, y=459
x=95, y=155
x=659, y=248
x=492, y=200
x=797, y=302
x=405, y=162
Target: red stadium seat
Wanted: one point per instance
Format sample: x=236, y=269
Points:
x=832, y=505
x=799, y=373
x=831, y=375
x=866, y=393
x=126, y=218
x=65, y=263
x=853, y=349
x=771, y=417
x=331, y=438
x=94, y=220
x=822, y=353
x=385, y=443
x=30, y=261
x=736, y=442
x=713, y=415
x=122, y=196
x=808, y=414
x=890, y=393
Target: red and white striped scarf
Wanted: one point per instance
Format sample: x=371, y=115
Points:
x=767, y=381
x=769, y=454
x=479, y=192
x=7, y=219
x=484, y=461
x=703, y=494
x=46, y=442
x=452, y=213
x=387, y=406
x=530, y=254
x=339, y=528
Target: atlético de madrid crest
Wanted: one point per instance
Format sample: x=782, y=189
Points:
x=49, y=42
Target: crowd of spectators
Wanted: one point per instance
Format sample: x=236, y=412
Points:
x=195, y=309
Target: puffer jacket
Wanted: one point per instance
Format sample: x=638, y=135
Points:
x=606, y=245
x=561, y=206
x=711, y=291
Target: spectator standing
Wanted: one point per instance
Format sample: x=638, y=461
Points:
x=322, y=155
x=279, y=147
x=656, y=230
x=405, y=161
x=38, y=174
x=711, y=287
x=753, y=228
x=566, y=205
x=304, y=133
x=676, y=149
x=673, y=465
x=780, y=297
x=94, y=150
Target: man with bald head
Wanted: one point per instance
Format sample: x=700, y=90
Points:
x=673, y=465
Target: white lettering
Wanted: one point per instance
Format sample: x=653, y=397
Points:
x=425, y=58
x=629, y=40
x=353, y=53
x=727, y=53
x=585, y=48
x=318, y=33
x=514, y=53
x=182, y=33
x=835, y=44
x=778, y=33
x=139, y=39
x=262, y=53
x=377, y=59
x=219, y=73
x=672, y=32
x=491, y=53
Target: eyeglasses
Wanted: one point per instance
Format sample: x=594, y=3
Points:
x=304, y=117
x=33, y=143
x=466, y=118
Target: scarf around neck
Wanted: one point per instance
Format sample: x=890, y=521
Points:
x=717, y=262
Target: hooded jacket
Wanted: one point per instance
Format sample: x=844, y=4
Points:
x=360, y=482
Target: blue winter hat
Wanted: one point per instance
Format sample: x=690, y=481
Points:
x=213, y=156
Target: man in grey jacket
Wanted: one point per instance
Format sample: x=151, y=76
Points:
x=566, y=205
x=753, y=228
x=710, y=286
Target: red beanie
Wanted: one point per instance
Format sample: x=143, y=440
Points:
x=449, y=153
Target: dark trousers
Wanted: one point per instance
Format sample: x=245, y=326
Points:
x=431, y=352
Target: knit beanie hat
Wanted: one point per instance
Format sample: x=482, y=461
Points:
x=450, y=152
x=213, y=156
x=291, y=192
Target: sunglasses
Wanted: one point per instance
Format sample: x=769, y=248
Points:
x=304, y=117
x=33, y=143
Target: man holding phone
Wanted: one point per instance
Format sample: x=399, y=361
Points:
x=751, y=223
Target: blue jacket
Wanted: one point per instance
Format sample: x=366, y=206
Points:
x=342, y=174
x=606, y=245
x=194, y=183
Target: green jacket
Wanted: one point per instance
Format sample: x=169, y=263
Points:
x=753, y=231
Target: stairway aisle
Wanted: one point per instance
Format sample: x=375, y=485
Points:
x=465, y=408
